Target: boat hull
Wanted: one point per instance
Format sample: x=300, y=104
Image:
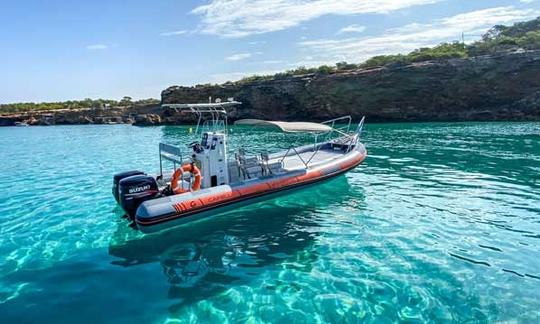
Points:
x=166, y=212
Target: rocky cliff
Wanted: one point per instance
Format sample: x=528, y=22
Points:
x=505, y=86
x=144, y=114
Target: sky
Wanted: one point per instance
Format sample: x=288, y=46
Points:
x=62, y=50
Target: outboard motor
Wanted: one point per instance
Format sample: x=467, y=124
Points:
x=120, y=176
x=134, y=190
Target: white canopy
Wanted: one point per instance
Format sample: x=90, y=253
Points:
x=290, y=127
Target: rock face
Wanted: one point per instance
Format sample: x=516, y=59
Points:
x=505, y=86
x=145, y=115
x=501, y=87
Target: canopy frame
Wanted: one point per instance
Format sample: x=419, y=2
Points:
x=340, y=126
x=216, y=110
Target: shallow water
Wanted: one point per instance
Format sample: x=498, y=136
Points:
x=440, y=223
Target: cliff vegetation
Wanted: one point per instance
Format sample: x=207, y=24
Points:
x=520, y=36
x=74, y=104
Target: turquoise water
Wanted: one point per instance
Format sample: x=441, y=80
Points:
x=441, y=223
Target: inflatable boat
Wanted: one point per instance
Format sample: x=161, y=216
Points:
x=205, y=181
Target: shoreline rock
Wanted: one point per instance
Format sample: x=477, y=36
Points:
x=113, y=115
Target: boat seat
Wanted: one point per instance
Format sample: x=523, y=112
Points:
x=248, y=167
x=340, y=144
x=270, y=167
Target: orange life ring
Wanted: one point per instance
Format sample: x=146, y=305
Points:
x=191, y=168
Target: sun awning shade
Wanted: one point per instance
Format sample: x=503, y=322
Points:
x=289, y=127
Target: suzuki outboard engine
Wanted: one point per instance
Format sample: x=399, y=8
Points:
x=119, y=176
x=134, y=190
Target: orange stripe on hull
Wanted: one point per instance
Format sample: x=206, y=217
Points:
x=283, y=182
x=255, y=190
x=209, y=200
x=250, y=190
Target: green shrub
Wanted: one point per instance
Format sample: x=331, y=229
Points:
x=344, y=66
x=325, y=69
x=71, y=104
x=382, y=60
x=523, y=35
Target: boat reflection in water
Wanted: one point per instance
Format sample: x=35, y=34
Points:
x=204, y=258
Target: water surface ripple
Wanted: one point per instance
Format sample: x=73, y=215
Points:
x=441, y=223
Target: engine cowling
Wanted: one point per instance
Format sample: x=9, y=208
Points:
x=134, y=190
x=119, y=176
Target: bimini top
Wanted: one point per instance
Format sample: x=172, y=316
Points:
x=289, y=127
